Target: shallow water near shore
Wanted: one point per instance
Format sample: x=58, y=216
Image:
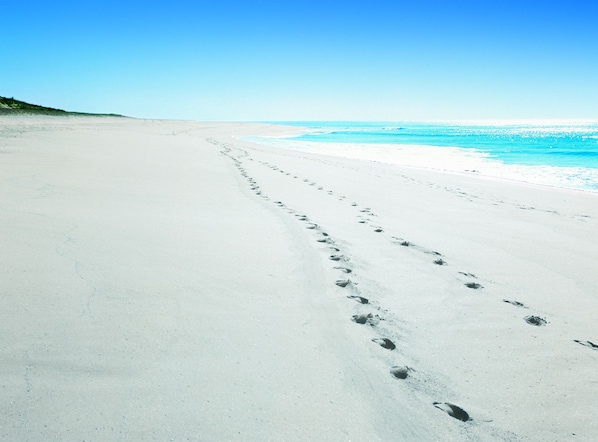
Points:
x=554, y=153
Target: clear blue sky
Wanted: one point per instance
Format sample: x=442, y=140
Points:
x=304, y=60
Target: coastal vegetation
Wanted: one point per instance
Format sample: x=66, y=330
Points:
x=10, y=106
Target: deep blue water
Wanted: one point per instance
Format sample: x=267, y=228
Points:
x=544, y=144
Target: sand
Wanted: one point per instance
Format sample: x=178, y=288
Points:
x=166, y=280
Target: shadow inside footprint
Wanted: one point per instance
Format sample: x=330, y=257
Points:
x=359, y=299
x=515, y=303
x=473, y=285
x=343, y=269
x=385, y=343
x=440, y=262
x=535, y=320
x=335, y=257
x=587, y=344
x=343, y=282
x=378, y=230
x=362, y=319
x=453, y=411
x=400, y=372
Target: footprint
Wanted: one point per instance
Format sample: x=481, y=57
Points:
x=587, y=344
x=473, y=285
x=359, y=299
x=440, y=262
x=468, y=274
x=336, y=257
x=343, y=269
x=535, y=320
x=362, y=319
x=378, y=230
x=385, y=343
x=515, y=303
x=312, y=226
x=326, y=240
x=343, y=282
x=400, y=372
x=453, y=411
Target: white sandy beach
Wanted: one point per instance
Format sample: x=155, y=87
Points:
x=165, y=280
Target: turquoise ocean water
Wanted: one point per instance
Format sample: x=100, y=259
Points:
x=563, y=154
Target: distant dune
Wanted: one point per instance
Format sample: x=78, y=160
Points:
x=10, y=106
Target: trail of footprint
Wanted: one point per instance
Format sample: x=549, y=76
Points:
x=399, y=372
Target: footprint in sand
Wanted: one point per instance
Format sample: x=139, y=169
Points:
x=473, y=285
x=587, y=344
x=535, y=320
x=336, y=257
x=342, y=269
x=453, y=411
x=343, y=282
x=378, y=230
x=400, y=372
x=385, y=343
x=440, y=262
x=362, y=319
x=515, y=303
x=359, y=299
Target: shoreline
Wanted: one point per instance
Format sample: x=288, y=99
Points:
x=173, y=280
x=449, y=160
